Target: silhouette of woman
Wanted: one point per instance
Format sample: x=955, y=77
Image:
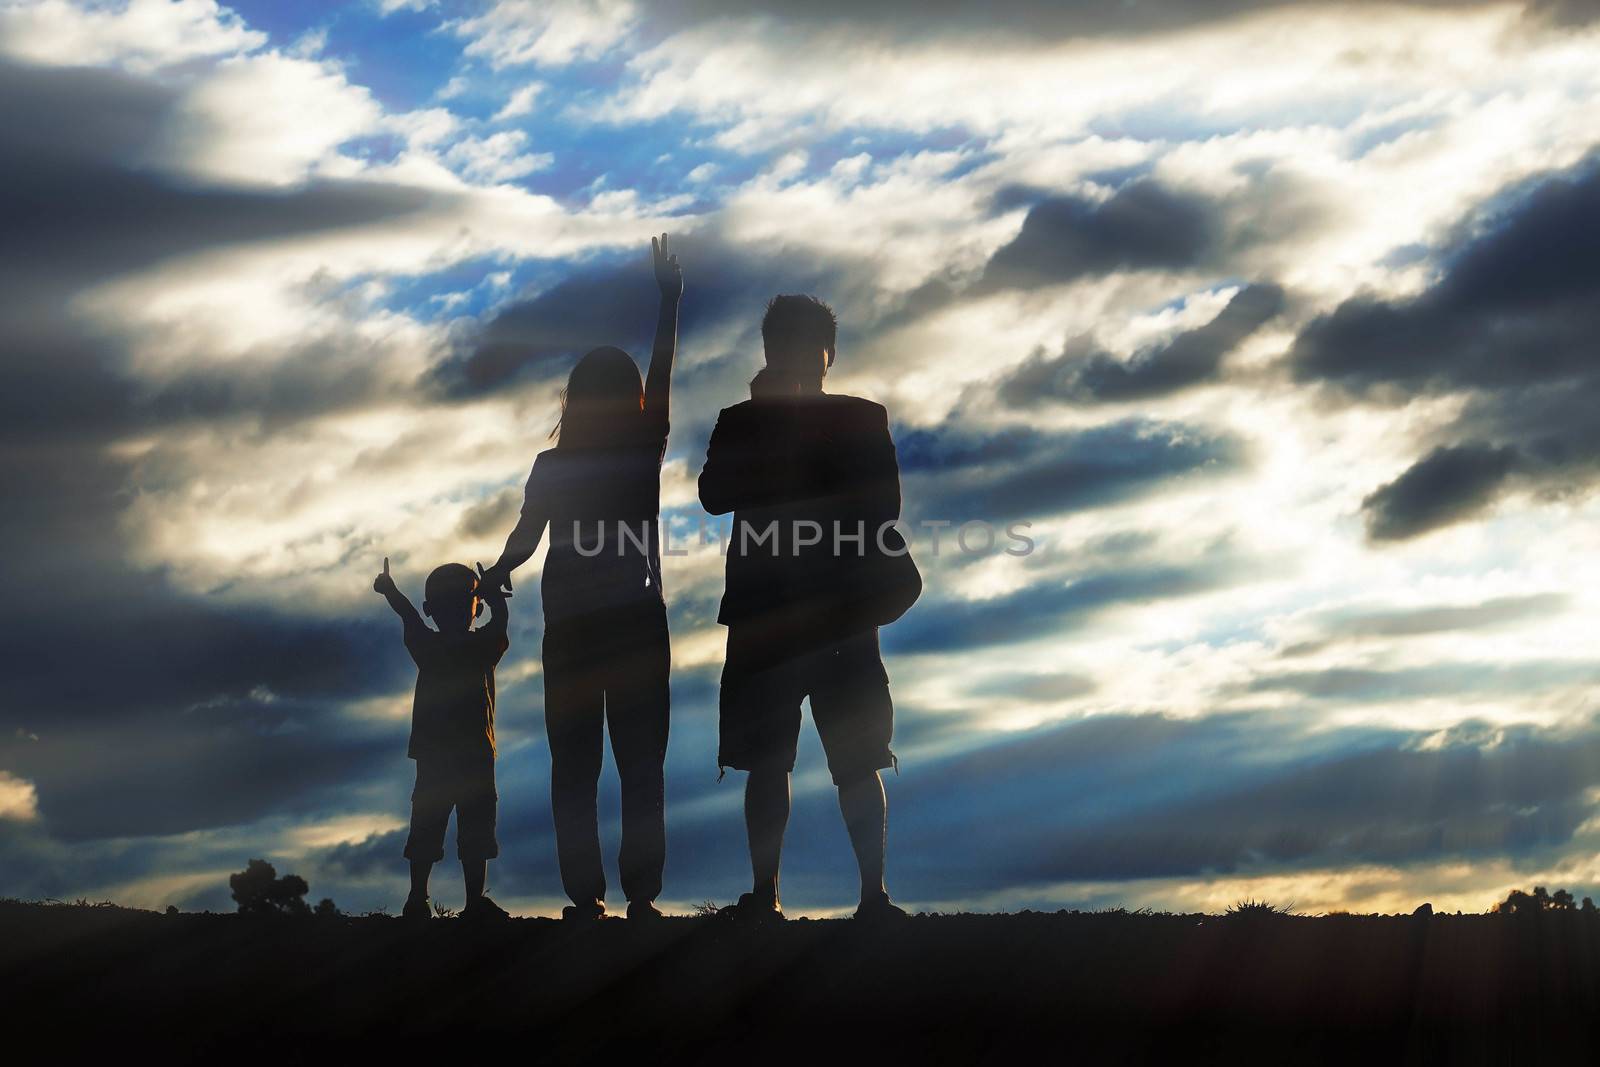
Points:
x=606, y=650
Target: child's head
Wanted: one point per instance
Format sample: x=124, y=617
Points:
x=450, y=597
x=603, y=402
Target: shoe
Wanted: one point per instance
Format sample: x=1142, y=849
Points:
x=583, y=912
x=643, y=911
x=879, y=908
x=755, y=908
x=417, y=909
x=484, y=910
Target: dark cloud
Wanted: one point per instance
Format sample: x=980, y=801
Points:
x=1358, y=685
x=1085, y=374
x=958, y=475
x=613, y=301
x=1054, y=607
x=492, y=515
x=541, y=337
x=1141, y=226
x=1512, y=306
x=1510, y=326
x=1449, y=618
x=372, y=856
x=85, y=201
x=159, y=714
x=156, y=712
x=1042, y=688
x=1109, y=798
x=1448, y=485
x=1565, y=12
x=1131, y=797
x=220, y=763
x=1034, y=21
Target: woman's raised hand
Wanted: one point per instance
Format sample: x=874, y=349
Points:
x=669, y=276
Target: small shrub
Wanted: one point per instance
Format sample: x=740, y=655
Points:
x=1539, y=901
x=1257, y=909
x=259, y=891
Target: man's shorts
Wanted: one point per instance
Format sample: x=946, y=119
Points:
x=465, y=783
x=849, y=691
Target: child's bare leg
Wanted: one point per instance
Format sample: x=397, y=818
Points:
x=420, y=869
x=476, y=873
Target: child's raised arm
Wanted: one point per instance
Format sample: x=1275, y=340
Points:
x=499, y=612
x=409, y=616
x=658, y=382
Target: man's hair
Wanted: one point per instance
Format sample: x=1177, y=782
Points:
x=795, y=323
x=450, y=581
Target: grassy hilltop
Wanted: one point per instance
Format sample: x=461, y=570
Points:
x=1065, y=987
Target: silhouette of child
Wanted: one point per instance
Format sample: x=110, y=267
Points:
x=452, y=728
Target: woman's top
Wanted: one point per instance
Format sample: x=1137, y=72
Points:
x=603, y=508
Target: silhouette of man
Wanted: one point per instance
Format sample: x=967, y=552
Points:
x=810, y=477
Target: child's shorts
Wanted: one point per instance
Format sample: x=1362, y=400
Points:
x=466, y=784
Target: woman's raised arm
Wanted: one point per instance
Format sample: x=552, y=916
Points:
x=669, y=278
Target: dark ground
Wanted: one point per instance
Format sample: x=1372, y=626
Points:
x=1038, y=988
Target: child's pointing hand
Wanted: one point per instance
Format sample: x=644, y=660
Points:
x=383, y=583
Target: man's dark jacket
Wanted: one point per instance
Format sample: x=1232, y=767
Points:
x=817, y=458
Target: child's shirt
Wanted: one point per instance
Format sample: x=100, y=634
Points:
x=452, y=713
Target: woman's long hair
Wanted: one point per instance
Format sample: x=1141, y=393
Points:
x=603, y=403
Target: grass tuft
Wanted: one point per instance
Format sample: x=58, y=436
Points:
x=1257, y=909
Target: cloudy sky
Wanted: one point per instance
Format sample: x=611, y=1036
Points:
x=1275, y=320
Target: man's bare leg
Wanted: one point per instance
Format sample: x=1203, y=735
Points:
x=420, y=870
x=416, y=906
x=866, y=817
x=475, y=873
x=766, y=816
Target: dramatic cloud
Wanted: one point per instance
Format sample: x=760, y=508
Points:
x=85, y=206
x=957, y=476
x=1148, y=797
x=1140, y=226
x=612, y=301
x=284, y=295
x=1044, y=611
x=1509, y=326
x=19, y=800
x=1356, y=685
x=1349, y=625
x=1449, y=484
x=1084, y=374
x=1059, y=20
x=192, y=714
